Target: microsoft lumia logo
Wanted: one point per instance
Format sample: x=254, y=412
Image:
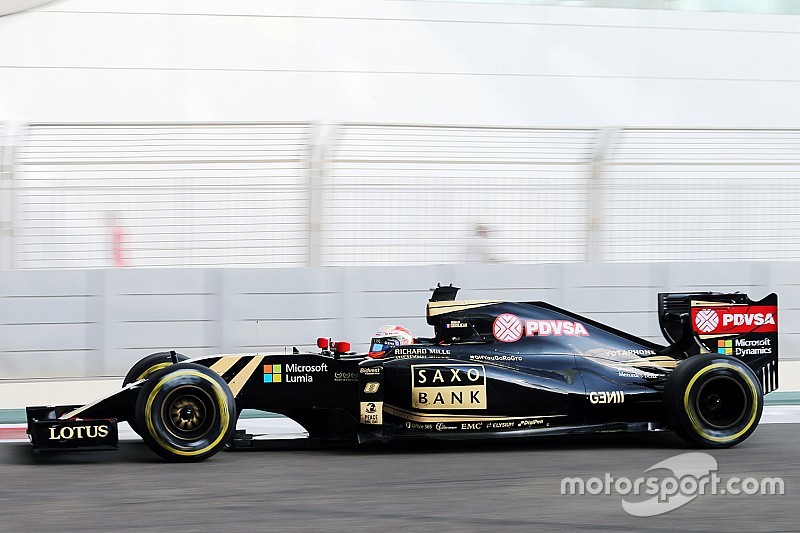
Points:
x=725, y=347
x=272, y=374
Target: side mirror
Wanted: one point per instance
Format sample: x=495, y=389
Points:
x=341, y=347
x=322, y=343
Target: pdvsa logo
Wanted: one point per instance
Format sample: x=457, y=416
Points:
x=736, y=319
x=706, y=320
x=509, y=328
x=545, y=328
x=748, y=319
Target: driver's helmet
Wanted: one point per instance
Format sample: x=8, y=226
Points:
x=389, y=337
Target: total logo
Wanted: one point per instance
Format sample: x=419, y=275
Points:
x=510, y=328
x=736, y=319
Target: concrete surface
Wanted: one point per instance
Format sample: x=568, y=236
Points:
x=403, y=486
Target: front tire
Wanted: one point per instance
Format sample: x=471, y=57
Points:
x=186, y=412
x=713, y=401
x=145, y=367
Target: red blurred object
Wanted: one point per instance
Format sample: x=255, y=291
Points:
x=376, y=355
x=117, y=238
x=341, y=347
x=322, y=343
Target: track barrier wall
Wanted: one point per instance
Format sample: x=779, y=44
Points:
x=98, y=322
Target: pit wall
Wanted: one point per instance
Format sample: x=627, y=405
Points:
x=93, y=323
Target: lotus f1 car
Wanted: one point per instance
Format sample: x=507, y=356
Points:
x=492, y=369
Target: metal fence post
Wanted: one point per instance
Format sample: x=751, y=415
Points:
x=319, y=156
x=4, y=193
x=596, y=192
x=10, y=134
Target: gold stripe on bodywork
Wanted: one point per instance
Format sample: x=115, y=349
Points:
x=663, y=363
x=440, y=308
x=244, y=374
x=702, y=303
x=659, y=361
x=79, y=410
x=433, y=417
x=225, y=363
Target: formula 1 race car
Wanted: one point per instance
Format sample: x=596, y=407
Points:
x=492, y=369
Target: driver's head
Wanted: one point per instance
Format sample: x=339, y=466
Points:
x=387, y=338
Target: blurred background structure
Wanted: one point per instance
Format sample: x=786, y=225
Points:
x=612, y=148
x=281, y=195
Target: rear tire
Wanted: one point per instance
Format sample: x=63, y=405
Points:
x=713, y=401
x=145, y=367
x=186, y=412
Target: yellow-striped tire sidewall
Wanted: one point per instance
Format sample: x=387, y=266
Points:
x=150, y=364
x=223, y=407
x=152, y=370
x=691, y=413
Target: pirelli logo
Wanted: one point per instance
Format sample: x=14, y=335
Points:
x=448, y=386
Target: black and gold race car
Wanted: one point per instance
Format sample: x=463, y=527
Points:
x=492, y=369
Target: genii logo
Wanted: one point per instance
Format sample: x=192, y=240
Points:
x=735, y=319
x=611, y=396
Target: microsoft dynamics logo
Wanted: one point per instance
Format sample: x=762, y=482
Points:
x=272, y=374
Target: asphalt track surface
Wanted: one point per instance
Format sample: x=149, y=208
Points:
x=510, y=485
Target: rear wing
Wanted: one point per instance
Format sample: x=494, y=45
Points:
x=728, y=324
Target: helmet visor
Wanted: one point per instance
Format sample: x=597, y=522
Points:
x=381, y=345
